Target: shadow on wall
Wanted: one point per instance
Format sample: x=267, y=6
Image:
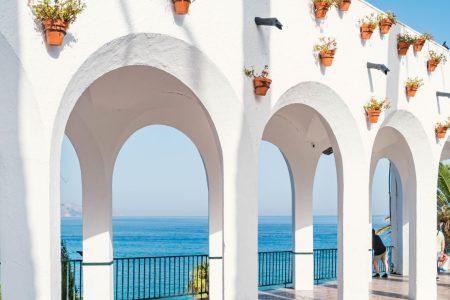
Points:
x=17, y=269
x=394, y=62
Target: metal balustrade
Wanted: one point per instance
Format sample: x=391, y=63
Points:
x=187, y=275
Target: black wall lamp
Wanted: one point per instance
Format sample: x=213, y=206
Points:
x=268, y=22
x=380, y=67
x=442, y=94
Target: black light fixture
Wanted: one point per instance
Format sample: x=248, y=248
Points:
x=268, y=22
x=328, y=151
x=380, y=67
x=442, y=94
x=445, y=45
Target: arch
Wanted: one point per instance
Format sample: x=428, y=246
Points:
x=404, y=141
x=201, y=83
x=307, y=119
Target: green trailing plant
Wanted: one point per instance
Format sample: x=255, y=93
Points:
x=250, y=72
x=405, y=37
x=443, y=200
x=69, y=290
x=369, y=20
x=415, y=82
x=375, y=104
x=387, y=15
x=65, y=10
x=438, y=58
x=326, y=44
x=199, y=284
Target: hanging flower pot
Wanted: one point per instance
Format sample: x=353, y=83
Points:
x=412, y=85
x=441, y=130
x=435, y=60
x=327, y=57
x=56, y=16
x=344, y=5
x=261, y=83
x=367, y=26
x=326, y=49
x=55, y=30
x=374, y=108
x=386, y=20
x=403, y=43
x=373, y=115
x=181, y=6
x=419, y=41
x=366, y=31
x=321, y=8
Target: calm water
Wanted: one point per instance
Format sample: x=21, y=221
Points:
x=157, y=236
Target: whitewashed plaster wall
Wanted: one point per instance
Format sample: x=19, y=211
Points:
x=206, y=51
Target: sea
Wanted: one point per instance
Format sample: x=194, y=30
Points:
x=161, y=236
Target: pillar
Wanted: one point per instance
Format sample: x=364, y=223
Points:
x=302, y=179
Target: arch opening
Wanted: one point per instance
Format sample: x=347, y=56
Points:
x=110, y=111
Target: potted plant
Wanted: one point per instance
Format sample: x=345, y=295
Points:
x=182, y=6
x=343, y=5
x=374, y=108
x=412, y=85
x=321, y=7
x=56, y=16
x=419, y=41
x=435, y=60
x=403, y=43
x=261, y=82
x=367, y=26
x=441, y=129
x=386, y=20
x=326, y=49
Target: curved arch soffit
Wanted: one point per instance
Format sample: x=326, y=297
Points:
x=336, y=117
x=173, y=56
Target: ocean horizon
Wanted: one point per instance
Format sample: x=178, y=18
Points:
x=164, y=235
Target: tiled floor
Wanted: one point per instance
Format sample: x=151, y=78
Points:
x=395, y=287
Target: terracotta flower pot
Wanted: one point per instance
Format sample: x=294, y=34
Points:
x=432, y=65
x=55, y=30
x=321, y=9
x=441, y=131
x=326, y=57
x=262, y=85
x=366, y=31
x=385, y=26
x=411, y=91
x=345, y=5
x=402, y=48
x=418, y=45
x=373, y=115
x=181, y=6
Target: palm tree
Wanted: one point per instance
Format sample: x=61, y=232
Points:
x=443, y=197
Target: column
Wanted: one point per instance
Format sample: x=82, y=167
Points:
x=353, y=227
x=240, y=219
x=302, y=179
x=97, y=231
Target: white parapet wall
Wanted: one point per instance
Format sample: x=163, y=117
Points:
x=195, y=82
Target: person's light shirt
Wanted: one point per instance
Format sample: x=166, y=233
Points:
x=440, y=241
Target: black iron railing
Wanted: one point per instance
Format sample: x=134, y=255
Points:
x=161, y=277
x=325, y=265
x=171, y=276
x=275, y=268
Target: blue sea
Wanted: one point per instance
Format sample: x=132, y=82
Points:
x=160, y=236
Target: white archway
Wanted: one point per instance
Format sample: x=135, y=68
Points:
x=308, y=119
x=201, y=95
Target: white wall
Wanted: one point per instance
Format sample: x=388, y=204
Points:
x=206, y=50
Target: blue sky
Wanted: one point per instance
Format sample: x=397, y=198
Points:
x=159, y=171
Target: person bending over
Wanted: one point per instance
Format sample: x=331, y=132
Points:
x=379, y=254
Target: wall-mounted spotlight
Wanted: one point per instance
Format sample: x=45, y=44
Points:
x=380, y=67
x=445, y=45
x=328, y=151
x=268, y=22
x=442, y=94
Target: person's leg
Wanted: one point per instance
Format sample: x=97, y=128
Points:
x=385, y=264
x=375, y=266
